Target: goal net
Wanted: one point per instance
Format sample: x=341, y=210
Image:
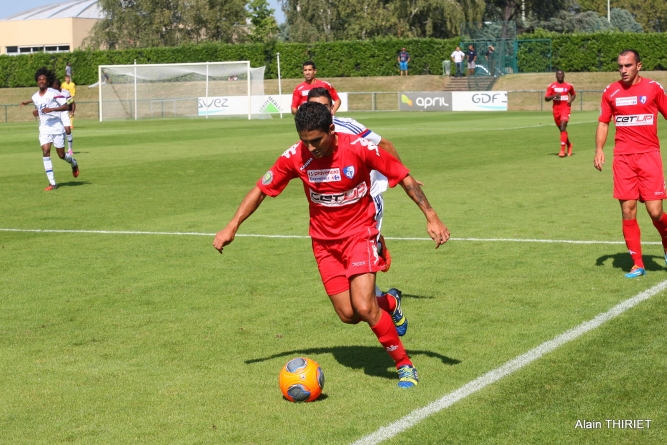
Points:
x=178, y=90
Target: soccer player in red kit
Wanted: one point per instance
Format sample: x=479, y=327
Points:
x=633, y=103
x=300, y=94
x=335, y=171
x=562, y=94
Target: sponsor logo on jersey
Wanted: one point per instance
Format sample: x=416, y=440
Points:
x=368, y=144
x=306, y=164
x=625, y=101
x=290, y=151
x=324, y=175
x=614, y=93
x=339, y=199
x=267, y=178
x=392, y=348
x=642, y=99
x=349, y=171
x=634, y=120
x=359, y=264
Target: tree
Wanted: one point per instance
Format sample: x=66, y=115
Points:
x=264, y=26
x=624, y=21
x=153, y=23
x=650, y=14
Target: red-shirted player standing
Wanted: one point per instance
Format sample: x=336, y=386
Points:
x=335, y=171
x=300, y=94
x=562, y=93
x=633, y=103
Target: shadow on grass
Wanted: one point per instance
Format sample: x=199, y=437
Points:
x=73, y=183
x=624, y=261
x=372, y=359
x=424, y=297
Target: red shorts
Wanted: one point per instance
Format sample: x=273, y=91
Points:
x=338, y=260
x=561, y=114
x=639, y=176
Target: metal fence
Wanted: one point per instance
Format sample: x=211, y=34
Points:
x=522, y=100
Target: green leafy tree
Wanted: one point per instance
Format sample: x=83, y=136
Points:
x=155, y=23
x=624, y=21
x=264, y=26
x=650, y=14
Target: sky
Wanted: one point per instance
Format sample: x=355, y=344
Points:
x=9, y=8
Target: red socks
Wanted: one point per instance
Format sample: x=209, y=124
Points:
x=386, y=334
x=386, y=302
x=661, y=225
x=632, y=236
x=564, y=140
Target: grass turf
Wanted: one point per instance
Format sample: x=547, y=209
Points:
x=109, y=338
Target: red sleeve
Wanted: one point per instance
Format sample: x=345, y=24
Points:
x=296, y=97
x=549, y=92
x=572, y=89
x=661, y=100
x=276, y=179
x=382, y=161
x=332, y=91
x=605, y=109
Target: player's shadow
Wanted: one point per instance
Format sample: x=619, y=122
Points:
x=424, y=297
x=73, y=183
x=372, y=359
x=624, y=261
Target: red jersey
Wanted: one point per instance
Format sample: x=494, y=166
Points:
x=564, y=90
x=300, y=94
x=635, y=112
x=337, y=186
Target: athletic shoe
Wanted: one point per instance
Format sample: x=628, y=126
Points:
x=635, y=272
x=75, y=170
x=407, y=376
x=400, y=321
x=665, y=258
x=561, y=154
x=384, y=253
x=51, y=187
x=569, y=149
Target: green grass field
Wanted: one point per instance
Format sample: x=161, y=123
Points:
x=116, y=338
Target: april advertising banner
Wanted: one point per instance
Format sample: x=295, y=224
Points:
x=425, y=101
x=238, y=105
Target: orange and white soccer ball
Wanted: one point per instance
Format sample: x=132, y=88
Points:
x=301, y=380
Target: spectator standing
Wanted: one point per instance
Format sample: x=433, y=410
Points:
x=472, y=57
x=403, y=59
x=68, y=70
x=491, y=60
x=458, y=56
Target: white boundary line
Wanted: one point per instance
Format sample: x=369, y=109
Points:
x=416, y=416
x=136, y=232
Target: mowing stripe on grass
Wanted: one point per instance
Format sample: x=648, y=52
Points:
x=255, y=235
x=393, y=429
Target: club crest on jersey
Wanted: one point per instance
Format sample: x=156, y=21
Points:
x=349, y=171
x=267, y=178
x=642, y=99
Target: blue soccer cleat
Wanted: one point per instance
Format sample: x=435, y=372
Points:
x=400, y=321
x=407, y=376
x=635, y=272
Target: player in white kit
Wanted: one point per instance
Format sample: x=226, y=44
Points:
x=379, y=182
x=64, y=115
x=51, y=128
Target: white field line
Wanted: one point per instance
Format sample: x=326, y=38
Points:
x=393, y=429
x=254, y=235
x=138, y=232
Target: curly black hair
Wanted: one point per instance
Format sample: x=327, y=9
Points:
x=313, y=116
x=320, y=92
x=44, y=71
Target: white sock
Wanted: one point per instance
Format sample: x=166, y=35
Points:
x=70, y=141
x=48, y=167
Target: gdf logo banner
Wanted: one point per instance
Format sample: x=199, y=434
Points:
x=479, y=101
x=425, y=101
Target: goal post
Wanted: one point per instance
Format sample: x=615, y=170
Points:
x=141, y=91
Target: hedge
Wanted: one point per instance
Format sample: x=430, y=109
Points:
x=571, y=52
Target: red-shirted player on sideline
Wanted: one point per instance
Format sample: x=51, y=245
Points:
x=300, y=94
x=633, y=103
x=562, y=94
x=335, y=171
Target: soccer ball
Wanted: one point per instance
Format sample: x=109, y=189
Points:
x=301, y=380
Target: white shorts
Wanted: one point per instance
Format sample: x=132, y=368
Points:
x=471, y=65
x=64, y=117
x=58, y=140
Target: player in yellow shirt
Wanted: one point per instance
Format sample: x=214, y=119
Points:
x=71, y=87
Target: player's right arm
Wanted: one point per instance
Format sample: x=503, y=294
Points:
x=296, y=97
x=248, y=206
x=549, y=95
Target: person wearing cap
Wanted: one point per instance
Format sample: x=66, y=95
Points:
x=403, y=59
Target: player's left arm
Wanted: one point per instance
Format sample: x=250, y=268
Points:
x=661, y=101
x=435, y=228
x=573, y=95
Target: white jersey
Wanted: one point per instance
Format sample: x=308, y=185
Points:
x=49, y=123
x=65, y=98
x=379, y=182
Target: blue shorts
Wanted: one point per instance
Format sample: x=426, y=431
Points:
x=404, y=66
